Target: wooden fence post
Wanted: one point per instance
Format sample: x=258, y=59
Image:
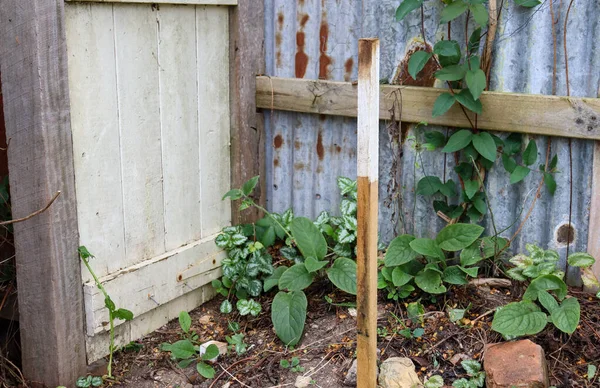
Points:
x=367, y=213
x=33, y=59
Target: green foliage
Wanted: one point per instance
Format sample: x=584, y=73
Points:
x=236, y=342
x=185, y=352
x=293, y=365
x=88, y=381
x=113, y=311
x=435, y=381
x=476, y=375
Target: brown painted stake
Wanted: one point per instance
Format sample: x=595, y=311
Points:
x=368, y=171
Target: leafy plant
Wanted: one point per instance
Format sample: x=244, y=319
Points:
x=88, y=381
x=113, y=311
x=236, y=341
x=546, y=289
x=293, y=364
x=476, y=375
x=435, y=381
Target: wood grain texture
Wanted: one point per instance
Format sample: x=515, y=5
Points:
x=508, y=112
x=33, y=59
x=367, y=212
x=593, y=242
x=247, y=60
x=196, y=2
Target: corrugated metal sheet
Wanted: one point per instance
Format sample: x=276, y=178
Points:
x=305, y=153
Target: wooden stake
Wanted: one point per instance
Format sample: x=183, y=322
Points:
x=367, y=213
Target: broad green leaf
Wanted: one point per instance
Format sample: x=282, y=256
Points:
x=185, y=321
x=550, y=183
x=546, y=283
x=435, y=381
x=484, y=144
x=442, y=104
x=399, y=251
x=226, y=307
x=182, y=349
x=509, y=163
x=267, y=236
x=458, y=236
x=427, y=247
x=547, y=301
x=528, y=3
x=530, y=154
x=234, y=194
x=429, y=185
x=581, y=259
x=512, y=144
x=452, y=11
x=309, y=238
x=273, y=280
x=295, y=278
x=406, y=7
x=518, y=319
x=248, y=306
x=288, y=314
x=456, y=315
x=430, y=282
x=447, y=48
x=474, y=39
x=250, y=185
x=517, y=274
x=267, y=222
x=472, y=367
x=566, y=317
x=458, y=141
x=123, y=314
x=451, y=73
x=205, y=370
x=448, y=189
x=476, y=82
x=472, y=271
x=471, y=187
x=415, y=311
x=417, y=62
x=588, y=278
x=435, y=138
x=466, y=99
x=454, y=275
x=480, y=14
x=343, y=274
x=518, y=174
x=212, y=351
x=313, y=265
x=400, y=278
x=553, y=163
x=481, y=249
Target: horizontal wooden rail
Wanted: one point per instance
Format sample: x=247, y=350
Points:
x=508, y=112
x=195, y=2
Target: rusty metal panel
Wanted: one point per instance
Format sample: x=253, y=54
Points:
x=305, y=153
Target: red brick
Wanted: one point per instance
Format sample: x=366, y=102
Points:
x=518, y=364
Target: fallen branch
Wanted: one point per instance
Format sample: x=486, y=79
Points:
x=490, y=282
x=35, y=213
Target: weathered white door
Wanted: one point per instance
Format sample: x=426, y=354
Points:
x=149, y=92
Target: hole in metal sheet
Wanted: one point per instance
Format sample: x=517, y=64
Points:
x=565, y=234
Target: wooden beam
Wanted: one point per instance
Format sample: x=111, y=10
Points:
x=194, y=2
x=33, y=59
x=367, y=212
x=247, y=60
x=508, y=112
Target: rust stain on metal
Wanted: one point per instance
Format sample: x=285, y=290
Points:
x=301, y=60
x=276, y=162
x=348, y=66
x=278, y=141
x=297, y=144
x=299, y=166
x=278, y=38
x=324, y=60
x=425, y=76
x=320, y=149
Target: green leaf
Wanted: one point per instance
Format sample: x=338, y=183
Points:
x=528, y=3
x=550, y=183
x=430, y=281
x=288, y=314
x=547, y=300
x=427, y=247
x=530, y=154
x=399, y=251
x=474, y=40
x=267, y=236
x=226, y=307
x=480, y=14
x=250, y=185
x=415, y=311
x=518, y=174
x=476, y=82
x=512, y=144
x=447, y=48
x=84, y=253
x=458, y=236
x=123, y=314
x=400, y=278
x=234, y=194
x=509, y=163
x=406, y=7
x=205, y=370
x=417, y=62
x=212, y=351
x=295, y=278
x=454, y=275
x=96, y=381
x=435, y=138
x=591, y=372
x=472, y=272
x=546, y=283
x=466, y=99
x=182, y=349
x=581, y=259
x=435, y=381
x=185, y=321
x=267, y=222
x=553, y=163
x=343, y=274
x=309, y=238
x=313, y=265
x=456, y=315
x=451, y=73
x=471, y=187
x=485, y=145
x=518, y=319
x=248, y=306
x=429, y=185
x=566, y=317
x=442, y=104
x=472, y=367
x=458, y=141
x=448, y=189
x=109, y=304
x=452, y=11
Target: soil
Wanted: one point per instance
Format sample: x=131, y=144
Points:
x=327, y=348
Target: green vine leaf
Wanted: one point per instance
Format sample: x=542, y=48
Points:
x=430, y=281
x=458, y=141
x=509, y=163
x=417, y=62
x=406, y=7
x=547, y=300
x=466, y=99
x=447, y=48
x=273, y=280
x=429, y=185
x=427, y=247
x=452, y=11
x=309, y=238
x=288, y=314
x=185, y=321
x=454, y=275
x=451, y=73
x=530, y=154
x=399, y=251
x=484, y=144
x=400, y=278
x=528, y=3
x=295, y=278
x=480, y=14
x=566, y=317
x=474, y=40
x=471, y=187
x=518, y=319
x=476, y=81
x=343, y=274
x=458, y=236
x=518, y=174
x=442, y=104
x=581, y=259
x=546, y=283
x=550, y=183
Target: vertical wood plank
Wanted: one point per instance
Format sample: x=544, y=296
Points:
x=33, y=60
x=247, y=59
x=213, y=111
x=95, y=126
x=367, y=213
x=140, y=130
x=179, y=121
x=593, y=245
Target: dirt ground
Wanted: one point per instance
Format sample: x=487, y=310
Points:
x=328, y=347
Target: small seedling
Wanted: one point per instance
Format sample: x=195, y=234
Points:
x=435, y=381
x=476, y=375
x=89, y=381
x=236, y=342
x=293, y=365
